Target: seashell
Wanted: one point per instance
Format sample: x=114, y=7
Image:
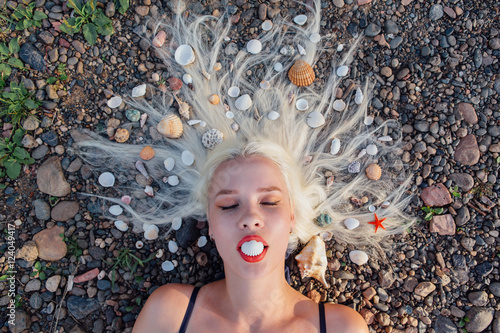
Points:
x=151, y=232
x=214, y=99
x=101, y=276
x=362, y=153
x=312, y=260
x=169, y=163
x=358, y=257
x=301, y=73
x=172, y=246
x=116, y=210
x=155, y=77
x=230, y=114
x=351, y=223
x=323, y=220
x=139, y=165
x=287, y=50
x=217, y=66
x=329, y=181
x=326, y=235
x=144, y=117
x=147, y=153
x=385, y=138
x=203, y=123
x=386, y=204
x=373, y=172
x=254, y=46
x=302, y=104
x=340, y=47
x=301, y=49
x=206, y=74
x=194, y=122
x=243, y=103
x=368, y=121
x=187, y=78
x=358, y=98
x=300, y=19
x=202, y=241
x=339, y=105
x=174, y=83
x=371, y=150
x=121, y=135
x=315, y=119
x=184, y=55
x=211, y=138
x=170, y=126
x=120, y=225
x=183, y=108
x=126, y=199
x=173, y=180
x=335, y=147
x=235, y=127
x=233, y=91
x=315, y=38
x=342, y=71
x=149, y=191
x=167, y=266
x=114, y=102
x=278, y=67
x=133, y=115
x=159, y=253
x=267, y=25
x=159, y=39
x=106, y=179
x=273, y=115
x=139, y=91
x=139, y=245
x=187, y=158
x=354, y=167
x=265, y=85
x=176, y=223
x=372, y=208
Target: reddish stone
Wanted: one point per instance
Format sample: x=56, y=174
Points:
x=64, y=43
x=87, y=276
x=50, y=244
x=367, y=315
x=468, y=112
x=436, y=195
x=443, y=225
x=467, y=151
x=450, y=12
x=363, y=2
x=369, y=293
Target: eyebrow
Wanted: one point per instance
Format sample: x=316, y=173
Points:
x=260, y=190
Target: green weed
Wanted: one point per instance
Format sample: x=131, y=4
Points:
x=430, y=211
x=40, y=271
x=122, y=5
x=454, y=191
x=72, y=245
x=61, y=75
x=127, y=260
x=27, y=16
x=17, y=103
x=12, y=155
x=7, y=59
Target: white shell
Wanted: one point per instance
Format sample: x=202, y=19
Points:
x=315, y=119
x=371, y=150
x=173, y=180
x=351, y=223
x=159, y=253
x=101, y=276
x=233, y=91
x=254, y=46
x=267, y=25
x=302, y=104
x=212, y=138
x=342, y=71
x=149, y=191
x=386, y=204
x=106, y=179
x=273, y=115
x=167, y=266
x=151, y=232
x=362, y=153
x=176, y=223
x=358, y=98
x=301, y=49
x=202, y=241
x=372, y=208
x=235, y=127
x=300, y=19
x=368, y=120
x=243, y=103
x=385, y=138
x=172, y=246
x=145, y=226
x=265, y=85
x=187, y=158
x=354, y=167
x=278, y=67
x=114, y=102
x=339, y=105
x=120, y=225
x=187, y=78
x=230, y=114
x=184, y=55
x=335, y=147
x=139, y=244
x=139, y=91
x=358, y=257
x=315, y=38
x=193, y=122
x=340, y=47
x=169, y=163
x=116, y=210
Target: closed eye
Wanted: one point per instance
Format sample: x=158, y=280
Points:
x=228, y=207
x=271, y=203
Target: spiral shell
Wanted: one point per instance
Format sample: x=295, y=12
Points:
x=121, y=135
x=312, y=260
x=170, y=126
x=147, y=153
x=301, y=74
x=373, y=172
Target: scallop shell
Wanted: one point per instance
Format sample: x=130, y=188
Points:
x=351, y=223
x=371, y=150
x=116, y=210
x=254, y=46
x=211, y=138
x=184, y=55
x=301, y=49
x=267, y=25
x=120, y=225
x=342, y=71
x=354, y=167
x=169, y=163
x=233, y=91
x=358, y=98
x=214, y=99
x=358, y=257
x=151, y=232
x=133, y=115
x=302, y=104
x=170, y=126
x=173, y=180
x=187, y=78
x=147, y=153
x=174, y=83
x=106, y=179
x=159, y=39
x=339, y=105
x=373, y=172
x=139, y=91
x=121, y=135
x=187, y=158
x=335, y=147
x=312, y=260
x=115, y=102
x=300, y=19
x=301, y=73
x=176, y=223
x=273, y=115
x=126, y=199
x=172, y=246
x=278, y=67
x=315, y=38
x=315, y=119
x=243, y=103
x=167, y=266
x=265, y=85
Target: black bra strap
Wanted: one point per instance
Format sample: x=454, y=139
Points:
x=322, y=321
x=189, y=310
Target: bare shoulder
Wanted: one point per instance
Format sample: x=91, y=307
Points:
x=344, y=319
x=164, y=309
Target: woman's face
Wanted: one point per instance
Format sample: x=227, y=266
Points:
x=250, y=215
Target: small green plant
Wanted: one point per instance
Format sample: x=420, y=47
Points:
x=89, y=19
x=430, y=211
x=127, y=260
x=27, y=16
x=17, y=103
x=122, y=5
x=61, y=72
x=483, y=189
x=7, y=59
x=40, y=271
x=498, y=160
x=137, y=301
x=463, y=321
x=53, y=201
x=72, y=245
x=12, y=155
x=454, y=192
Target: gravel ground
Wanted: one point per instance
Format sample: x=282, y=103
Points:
x=435, y=67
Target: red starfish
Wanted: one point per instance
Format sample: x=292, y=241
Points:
x=377, y=222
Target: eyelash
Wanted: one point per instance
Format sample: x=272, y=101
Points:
x=236, y=205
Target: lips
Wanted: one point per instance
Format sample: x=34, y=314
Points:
x=250, y=245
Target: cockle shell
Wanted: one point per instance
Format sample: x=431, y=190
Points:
x=312, y=260
x=172, y=246
x=106, y=179
x=267, y=25
x=351, y=223
x=233, y=91
x=300, y=19
x=339, y=105
x=170, y=126
x=371, y=149
x=243, y=103
x=358, y=98
x=139, y=91
x=120, y=225
x=151, y=232
x=147, y=153
x=335, y=147
x=315, y=38
x=121, y=135
x=342, y=71
x=301, y=73
x=273, y=115
x=169, y=163
x=358, y=257
x=126, y=199
x=217, y=66
x=211, y=138
x=184, y=55
x=174, y=83
x=139, y=165
x=214, y=99
x=115, y=210
x=315, y=119
x=372, y=208
x=302, y=104
x=187, y=158
x=373, y=172
x=254, y=46
x=159, y=39
x=114, y=102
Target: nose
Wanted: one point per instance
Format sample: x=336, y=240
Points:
x=251, y=219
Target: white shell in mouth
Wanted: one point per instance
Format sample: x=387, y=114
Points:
x=252, y=248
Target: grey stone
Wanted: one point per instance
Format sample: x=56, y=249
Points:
x=36, y=301
x=467, y=151
x=479, y=319
x=463, y=180
x=78, y=46
x=96, y=252
x=391, y=27
x=478, y=298
x=444, y=325
x=81, y=307
x=395, y=42
x=22, y=322
x=42, y=209
x=33, y=285
x=40, y=152
x=496, y=326
x=372, y=30
x=46, y=37
x=30, y=123
x=30, y=55
x=436, y=12
x=50, y=178
x=495, y=288
x=463, y=216
x=484, y=269
x=65, y=210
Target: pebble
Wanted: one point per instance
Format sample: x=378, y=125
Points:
x=36, y=301
x=478, y=298
x=52, y=283
x=42, y=209
x=436, y=195
x=65, y=210
x=50, y=245
x=33, y=285
x=467, y=151
x=479, y=319
x=436, y=12
x=372, y=30
x=30, y=55
x=443, y=224
x=81, y=307
x=423, y=289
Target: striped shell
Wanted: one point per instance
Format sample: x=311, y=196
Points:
x=147, y=153
x=373, y=172
x=121, y=135
x=170, y=126
x=175, y=83
x=301, y=74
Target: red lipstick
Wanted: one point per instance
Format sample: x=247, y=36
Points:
x=249, y=238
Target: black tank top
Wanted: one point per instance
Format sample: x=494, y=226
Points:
x=192, y=300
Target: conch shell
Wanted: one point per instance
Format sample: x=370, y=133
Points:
x=301, y=74
x=312, y=260
x=183, y=108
